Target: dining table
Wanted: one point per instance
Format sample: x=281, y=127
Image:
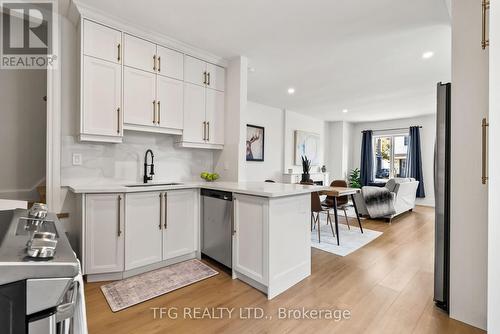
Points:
x=336, y=192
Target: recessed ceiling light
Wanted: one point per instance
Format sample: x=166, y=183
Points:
x=344, y=110
x=427, y=54
x=291, y=90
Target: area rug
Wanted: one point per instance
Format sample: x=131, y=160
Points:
x=350, y=240
x=137, y=289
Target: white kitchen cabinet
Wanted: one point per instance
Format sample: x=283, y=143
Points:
x=104, y=233
x=204, y=104
x=143, y=226
x=170, y=103
x=194, y=114
x=250, y=238
x=216, y=77
x=139, y=53
x=170, y=63
x=195, y=71
x=139, y=97
x=102, y=42
x=214, y=114
x=180, y=232
x=101, y=113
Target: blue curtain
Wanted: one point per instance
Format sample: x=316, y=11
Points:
x=366, y=168
x=414, y=165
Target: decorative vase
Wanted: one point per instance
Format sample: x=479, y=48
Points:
x=306, y=177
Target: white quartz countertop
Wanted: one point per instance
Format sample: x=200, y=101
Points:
x=262, y=189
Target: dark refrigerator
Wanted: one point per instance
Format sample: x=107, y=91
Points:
x=442, y=197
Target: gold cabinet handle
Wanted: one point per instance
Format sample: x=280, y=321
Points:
x=161, y=211
x=154, y=63
x=119, y=52
x=118, y=120
x=154, y=111
x=205, y=78
x=208, y=131
x=159, y=112
x=485, y=41
x=484, y=151
x=165, y=213
x=119, y=215
x=204, y=130
x=208, y=75
x=159, y=64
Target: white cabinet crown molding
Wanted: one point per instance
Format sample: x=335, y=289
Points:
x=99, y=16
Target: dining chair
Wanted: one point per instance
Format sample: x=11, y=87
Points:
x=316, y=209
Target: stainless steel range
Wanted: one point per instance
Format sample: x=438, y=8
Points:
x=38, y=290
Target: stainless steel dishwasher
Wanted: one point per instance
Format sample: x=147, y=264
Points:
x=217, y=225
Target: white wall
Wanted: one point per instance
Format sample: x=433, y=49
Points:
x=295, y=121
x=338, y=149
x=469, y=210
x=428, y=137
x=23, y=128
x=272, y=121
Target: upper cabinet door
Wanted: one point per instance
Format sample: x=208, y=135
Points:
x=216, y=77
x=170, y=102
x=194, y=114
x=139, y=106
x=215, y=116
x=101, y=91
x=170, y=63
x=195, y=71
x=139, y=53
x=102, y=42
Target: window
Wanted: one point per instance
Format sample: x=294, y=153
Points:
x=390, y=156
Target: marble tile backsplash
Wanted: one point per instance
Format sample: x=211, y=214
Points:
x=103, y=162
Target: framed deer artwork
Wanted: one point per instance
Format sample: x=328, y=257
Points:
x=255, y=143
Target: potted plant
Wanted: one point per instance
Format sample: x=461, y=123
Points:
x=306, y=168
x=355, y=178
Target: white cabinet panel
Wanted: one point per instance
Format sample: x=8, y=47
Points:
x=139, y=53
x=101, y=42
x=215, y=116
x=181, y=233
x=170, y=63
x=250, y=239
x=194, y=113
x=216, y=77
x=104, y=238
x=101, y=112
x=194, y=70
x=143, y=223
x=170, y=97
x=138, y=97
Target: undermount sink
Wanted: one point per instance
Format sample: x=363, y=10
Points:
x=153, y=184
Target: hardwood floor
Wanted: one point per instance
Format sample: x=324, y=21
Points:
x=387, y=286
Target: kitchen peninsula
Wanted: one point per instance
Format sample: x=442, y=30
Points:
x=130, y=229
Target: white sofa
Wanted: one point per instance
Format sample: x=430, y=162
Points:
x=404, y=192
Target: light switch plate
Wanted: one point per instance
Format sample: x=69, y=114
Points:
x=77, y=159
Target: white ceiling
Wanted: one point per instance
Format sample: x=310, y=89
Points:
x=360, y=55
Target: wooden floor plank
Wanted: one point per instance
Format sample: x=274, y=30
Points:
x=386, y=286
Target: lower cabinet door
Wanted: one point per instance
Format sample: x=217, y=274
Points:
x=250, y=237
x=143, y=224
x=180, y=236
x=104, y=233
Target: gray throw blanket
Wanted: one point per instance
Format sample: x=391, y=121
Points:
x=379, y=201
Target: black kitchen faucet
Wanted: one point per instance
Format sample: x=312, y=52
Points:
x=151, y=166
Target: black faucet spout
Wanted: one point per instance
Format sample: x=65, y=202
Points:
x=151, y=166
